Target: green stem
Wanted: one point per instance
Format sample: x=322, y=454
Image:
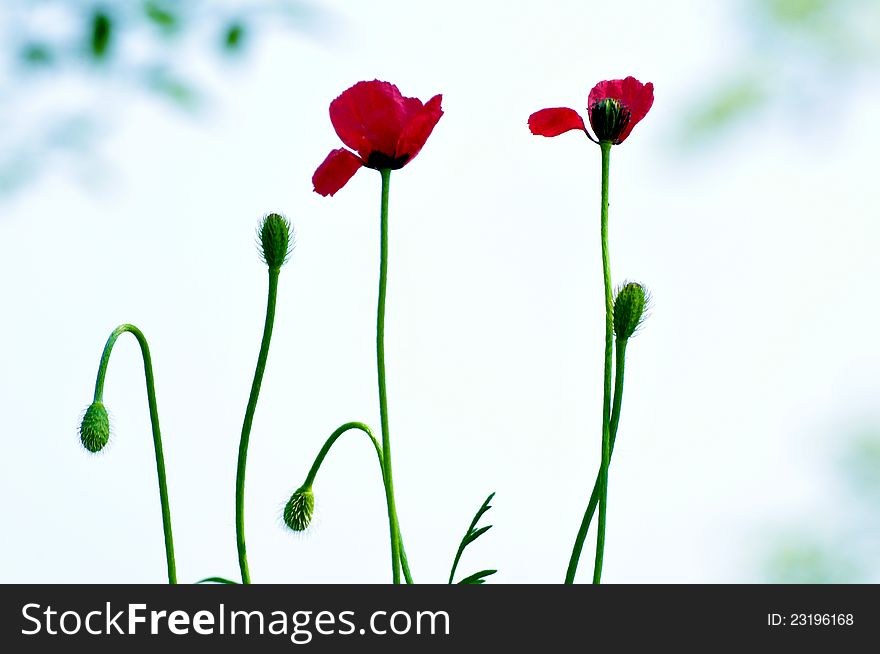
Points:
x=331, y=441
x=609, y=344
x=404, y=562
x=157, y=435
x=620, y=358
x=380, y=367
x=319, y=460
x=248, y=423
x=619, y=366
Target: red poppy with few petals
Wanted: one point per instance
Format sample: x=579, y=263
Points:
x=385, y=130
x=614, y=108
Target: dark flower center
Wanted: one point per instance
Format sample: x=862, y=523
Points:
x=609, y=118
x=380, y=160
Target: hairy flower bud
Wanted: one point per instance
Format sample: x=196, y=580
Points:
x=276, y=240
x=299, y=509
x=629, y=309
x=94, y=430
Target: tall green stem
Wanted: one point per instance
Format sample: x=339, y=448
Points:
x=319, y=460
x=620, y=359
x=609, y=345
x=157, y=435
x=248, y=423
x=380, y=367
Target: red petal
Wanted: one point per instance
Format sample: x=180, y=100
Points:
x=334, y=173
x=638, y=98
x=631, y=93
x=370, y=116
x=419, y=127
x=607, y=89
x=553, y=122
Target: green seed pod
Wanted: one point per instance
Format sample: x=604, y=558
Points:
x=94, y=431
x=629, y=309
x=276, y=240
x=299, y=509
x=609, y=119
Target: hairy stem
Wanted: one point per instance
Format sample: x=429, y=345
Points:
x=157, y=435
x=248, y=423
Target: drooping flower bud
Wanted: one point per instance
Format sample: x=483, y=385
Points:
x=629, y=309
x=276, y=240
x=299, y=509
x=94, y=430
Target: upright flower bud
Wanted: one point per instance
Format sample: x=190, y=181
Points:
x=299, y=509
x=276, y=240
x=629, y=309
x=94, y=430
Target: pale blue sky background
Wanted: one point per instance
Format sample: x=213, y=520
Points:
x=759, y=247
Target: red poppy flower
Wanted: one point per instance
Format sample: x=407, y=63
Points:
x=385, y=129
x=614, y=108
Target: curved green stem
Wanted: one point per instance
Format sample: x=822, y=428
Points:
x=620, y=359
x=380, y=368
x=331, y=441
x=157, y=435
x=319, y=460
x=248, y=423
x=609, y=344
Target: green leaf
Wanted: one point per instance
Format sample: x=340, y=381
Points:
x=37, y=54
x=486, y=506
x=216, y=580
x=101, y=33
x=472, y=534
x=234, y=38
x=161, y=16
x=163, y=82
x=478, y=577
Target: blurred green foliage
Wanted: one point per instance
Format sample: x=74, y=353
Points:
x=164, y=17
x=860, y=465
x=158, y=28
x=790, y=49
x=102, y=31
x=840, y=540
x=791, y=12
x=799, y=559
x=235, y=34
x=802, y=561
x=736, y=99
x=152, y=48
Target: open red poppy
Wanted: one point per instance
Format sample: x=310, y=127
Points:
x=614, y=108
x=385, y=129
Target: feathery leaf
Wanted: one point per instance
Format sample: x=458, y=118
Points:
x=472, y=534
x=478, y=577
x=216, y=580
